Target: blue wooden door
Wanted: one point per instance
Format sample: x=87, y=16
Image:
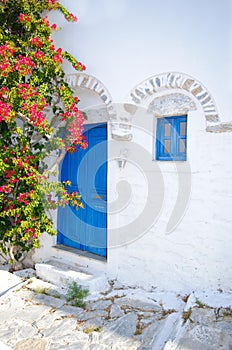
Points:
x=85, y=229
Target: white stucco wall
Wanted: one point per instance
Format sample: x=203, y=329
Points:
x=123, y=43
x=197, y=253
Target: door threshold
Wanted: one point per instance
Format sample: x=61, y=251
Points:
x=80, y=252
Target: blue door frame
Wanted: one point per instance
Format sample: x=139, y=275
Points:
x=86, y=229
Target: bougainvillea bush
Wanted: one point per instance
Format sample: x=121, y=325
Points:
x=36, y=107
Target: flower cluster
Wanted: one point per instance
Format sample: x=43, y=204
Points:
x=36, y=42
x=75, y=129
x=57, y=57
x=24, y=197
x=80, y=66
x=26, y=91
x=23, y=17
x=5, y=111
x=71, y=17
x=53, y=4
x=6, y=52
x=24, y=65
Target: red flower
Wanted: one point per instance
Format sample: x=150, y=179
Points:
x=45, y=21
x=36, y=42
x=24, y=65
x=24, y=17
x=57, y=58
x=5, y=111
x=39, y=55
x=80, y=66
x=2, y=188
x=71, y=17
x=14, y=180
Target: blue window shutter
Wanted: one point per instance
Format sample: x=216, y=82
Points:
x=171, y=138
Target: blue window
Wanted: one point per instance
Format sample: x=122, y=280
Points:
x=171, y=137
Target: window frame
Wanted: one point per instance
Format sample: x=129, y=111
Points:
x=174, y=137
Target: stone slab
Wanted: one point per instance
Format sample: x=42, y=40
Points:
x=8, y=281
x=25, y=273
x=48, y=300
x=32, y=319
x=119, y=334
x=116, y=311
x=98, y=305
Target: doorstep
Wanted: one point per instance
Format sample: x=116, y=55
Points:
x=61, y=273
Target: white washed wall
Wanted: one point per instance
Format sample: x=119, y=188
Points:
x=197, y=254
x=123, y=45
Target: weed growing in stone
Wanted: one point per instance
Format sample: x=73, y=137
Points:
x=139, y=328
x=199, y=303
x=167, y=312
x=76, y=294
x=41, y=290
x=57, y=296
x=227, y=312
x=186, y=315
x=89, y=330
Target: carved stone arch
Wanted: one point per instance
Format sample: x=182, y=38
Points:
x=178, y=81
x=121, y=122
x=89, y=82
x=119, y=128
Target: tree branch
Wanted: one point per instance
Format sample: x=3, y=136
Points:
x=58, y=161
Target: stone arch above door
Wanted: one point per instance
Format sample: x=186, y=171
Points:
x=89, y=82
x=108, y=111
x=164, y=88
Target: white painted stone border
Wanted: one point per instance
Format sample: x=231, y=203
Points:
x=176, y=80
x=164, y=82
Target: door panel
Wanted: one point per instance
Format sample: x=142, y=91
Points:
x=85, y=229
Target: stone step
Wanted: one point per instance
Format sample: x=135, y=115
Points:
x=60, y=274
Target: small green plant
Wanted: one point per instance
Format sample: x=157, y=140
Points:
x=76, y=294
x=199, y=303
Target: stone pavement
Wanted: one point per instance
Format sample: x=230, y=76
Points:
x=35, y=315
